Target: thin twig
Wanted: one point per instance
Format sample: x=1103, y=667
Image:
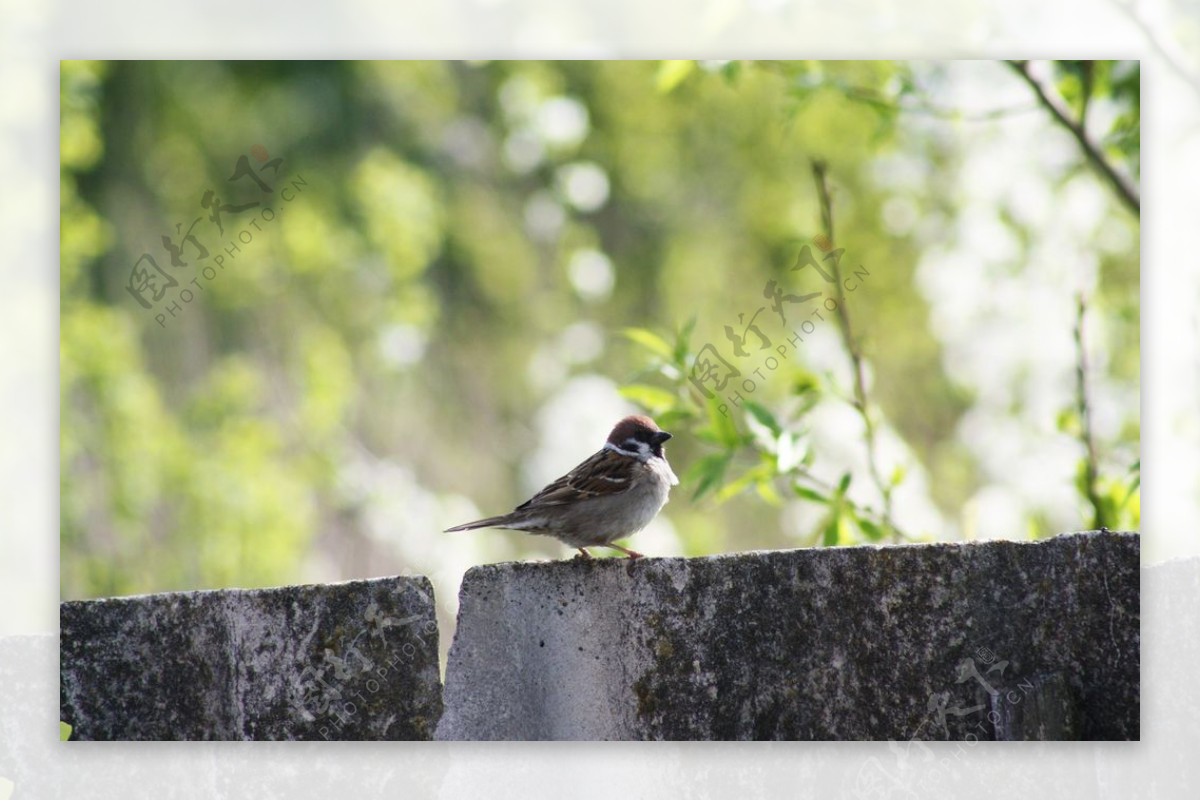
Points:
x=1121, y=185
x=1091, y=467
x=852, y=348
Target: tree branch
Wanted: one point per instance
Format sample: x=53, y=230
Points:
x=1120, y=184
x=1091, y=465
x=852, y=348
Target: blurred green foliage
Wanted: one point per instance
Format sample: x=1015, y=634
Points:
x=418, y=300
x=775, y=453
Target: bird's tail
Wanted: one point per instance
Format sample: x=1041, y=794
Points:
x=500, y=521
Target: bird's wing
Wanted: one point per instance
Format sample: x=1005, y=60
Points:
x=602, y=473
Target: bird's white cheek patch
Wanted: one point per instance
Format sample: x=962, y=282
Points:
x=611, y=447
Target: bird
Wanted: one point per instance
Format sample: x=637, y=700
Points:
x=612, y=494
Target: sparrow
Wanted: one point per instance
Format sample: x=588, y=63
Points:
x=613, y=493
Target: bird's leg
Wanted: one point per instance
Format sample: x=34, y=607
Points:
x=583, y=554
x=626, y=551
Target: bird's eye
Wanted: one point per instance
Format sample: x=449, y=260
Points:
x=635, y=445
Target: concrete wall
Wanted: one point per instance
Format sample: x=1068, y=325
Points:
x=999, y=640
x=945, y=641
x=351, y=661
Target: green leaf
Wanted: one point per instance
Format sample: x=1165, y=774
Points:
x=766, y=491
x=64, y=731
x=1067, y=421
x=707, y=472
x=897, y=476
x=1071, y=90
x=805, y=382
x=674, y=418
x=740, y=483
x=809, y=494
x=683, y=342
x=843, y=485
x=872, y=532
x=762, y=415
x=832, y=534
x=652, y=398
x=649, y=340
x=671, y=74
x=720, y=429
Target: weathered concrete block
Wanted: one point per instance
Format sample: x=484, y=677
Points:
x=902, y=643
x=350, y=661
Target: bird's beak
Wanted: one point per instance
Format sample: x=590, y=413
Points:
x=660, y=437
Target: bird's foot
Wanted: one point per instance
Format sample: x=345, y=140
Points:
x=583, y=554
x=626, y=551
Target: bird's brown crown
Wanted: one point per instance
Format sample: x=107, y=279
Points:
x=631, y=427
